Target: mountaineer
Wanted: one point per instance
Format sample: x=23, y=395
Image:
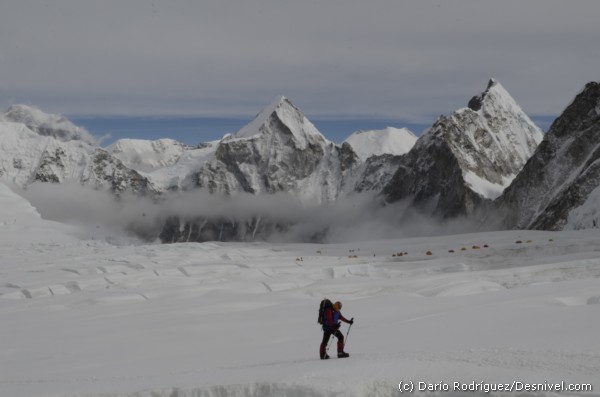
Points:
x=330, y=317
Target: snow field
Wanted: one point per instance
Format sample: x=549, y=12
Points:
x=82, y=317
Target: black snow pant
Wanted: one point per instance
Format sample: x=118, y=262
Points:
x=326, y=335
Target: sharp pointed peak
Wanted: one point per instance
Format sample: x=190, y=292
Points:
x=253, y=127
x=277, y=102
x=493, y=90
x=279, y=99
x=281, y=108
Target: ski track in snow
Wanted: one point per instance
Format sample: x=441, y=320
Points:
x=86, y=318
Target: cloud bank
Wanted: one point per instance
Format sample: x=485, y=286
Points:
x=355, y=218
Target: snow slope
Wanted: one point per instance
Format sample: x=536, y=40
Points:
x=86, y=318
x=21, y=227
x=390, y=140
x=146, y=155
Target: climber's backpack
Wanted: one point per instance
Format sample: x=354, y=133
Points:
x=325, y=304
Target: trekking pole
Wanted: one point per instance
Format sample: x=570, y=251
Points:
x=347, y=333
x=329, y=344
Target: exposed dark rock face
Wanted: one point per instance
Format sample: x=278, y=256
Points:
x=103, y=171
x=219, y=229
x=348, y=159
x=377, y=173
x=431, y=177
x=50, y=162
x=118, y=177
x=563, y=172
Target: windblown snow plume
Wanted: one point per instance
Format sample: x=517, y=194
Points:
x=46, y=124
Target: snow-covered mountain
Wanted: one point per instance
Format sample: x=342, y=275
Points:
x=46, y=124
x=280, y=151
x=467, y=157
x=390, y=140
x=560, y=185
x=146, y=155
x=463, y=162
x=54, y=155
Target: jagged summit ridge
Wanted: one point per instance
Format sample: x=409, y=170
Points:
x=46, y=124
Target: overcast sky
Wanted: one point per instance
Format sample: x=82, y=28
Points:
x=405, y=60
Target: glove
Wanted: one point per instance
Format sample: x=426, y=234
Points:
x=352, y=321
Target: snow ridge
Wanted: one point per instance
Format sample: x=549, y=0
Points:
x=390, y=140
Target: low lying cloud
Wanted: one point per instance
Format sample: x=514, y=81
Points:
x=355, y=218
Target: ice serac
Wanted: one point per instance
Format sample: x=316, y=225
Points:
x=468, y=157
x=46, y=124
x=558, y=187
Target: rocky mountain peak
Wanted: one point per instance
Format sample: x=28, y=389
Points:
x=495, y=95
x=468, y=156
